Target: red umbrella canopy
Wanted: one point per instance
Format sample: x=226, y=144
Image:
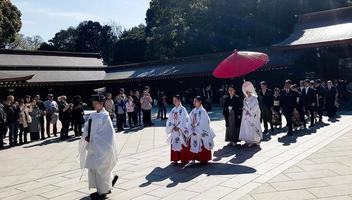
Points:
x=240, y=63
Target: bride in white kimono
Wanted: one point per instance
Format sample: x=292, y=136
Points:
x=201, y=135
x=177, y=130
x=98, y=150
x=251, y=130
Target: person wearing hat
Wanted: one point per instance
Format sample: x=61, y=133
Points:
x=98, y=150
x=232, y=112
x=251, y=130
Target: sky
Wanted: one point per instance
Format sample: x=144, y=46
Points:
x=47, y=17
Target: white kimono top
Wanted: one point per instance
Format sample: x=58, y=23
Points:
x=178, y=117
x=200, y=132
x=101, y=151
x=251, y=130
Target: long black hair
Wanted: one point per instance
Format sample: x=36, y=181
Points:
x=199, y=98
x=178, y=97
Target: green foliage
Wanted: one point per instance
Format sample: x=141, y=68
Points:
x=64, y=40
x=176, y=28
x=131, y=46
x=88, y=36
x=26, y=42
x=10, y=22
x=187, y=27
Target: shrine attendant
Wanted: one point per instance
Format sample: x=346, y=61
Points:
x=201, y=136
x=98, y=150
x=177, y=131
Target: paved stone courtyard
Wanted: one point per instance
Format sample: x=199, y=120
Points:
x=314, y=164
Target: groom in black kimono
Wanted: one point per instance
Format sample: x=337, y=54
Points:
x=232, y=112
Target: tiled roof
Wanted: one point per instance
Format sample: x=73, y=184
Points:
x=193, y=66
x=59, y=75
x=28, y=59
x=5, y=77
x=323, y=28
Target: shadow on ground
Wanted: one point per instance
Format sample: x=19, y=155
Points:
x=291, y=139
x=180, y=174
x=240, y=153
x=52, y=141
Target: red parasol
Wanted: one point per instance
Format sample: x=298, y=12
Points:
x=240, y=63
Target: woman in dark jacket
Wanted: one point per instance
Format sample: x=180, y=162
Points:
x=77, y=113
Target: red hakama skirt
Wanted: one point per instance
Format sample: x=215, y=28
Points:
x=203, y=157
x=184, y=155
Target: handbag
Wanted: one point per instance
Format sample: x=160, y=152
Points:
x=27, y=117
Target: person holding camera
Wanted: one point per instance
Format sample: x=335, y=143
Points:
x=146, y=103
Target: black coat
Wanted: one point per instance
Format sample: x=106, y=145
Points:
x=321, y=95
x=299, y=102
x=310, y=97
x=288, y=101
x=236, y=103
x=63, y=116
x=12, y=113
x=330, y=96
x=266, y=99
x=41, y=106
x=77, y=114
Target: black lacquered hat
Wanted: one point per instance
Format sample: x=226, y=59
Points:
x=98, y=97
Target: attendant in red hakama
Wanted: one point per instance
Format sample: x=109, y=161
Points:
x=201, y=135
x=177, y=130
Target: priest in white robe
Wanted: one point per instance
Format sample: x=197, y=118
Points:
x=201, y=135
x=251, y=130
x=177, y=131
x=98, y=150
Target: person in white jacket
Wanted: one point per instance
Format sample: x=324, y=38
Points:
x=98, y=150
x=251, y=130
x=177, y=132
